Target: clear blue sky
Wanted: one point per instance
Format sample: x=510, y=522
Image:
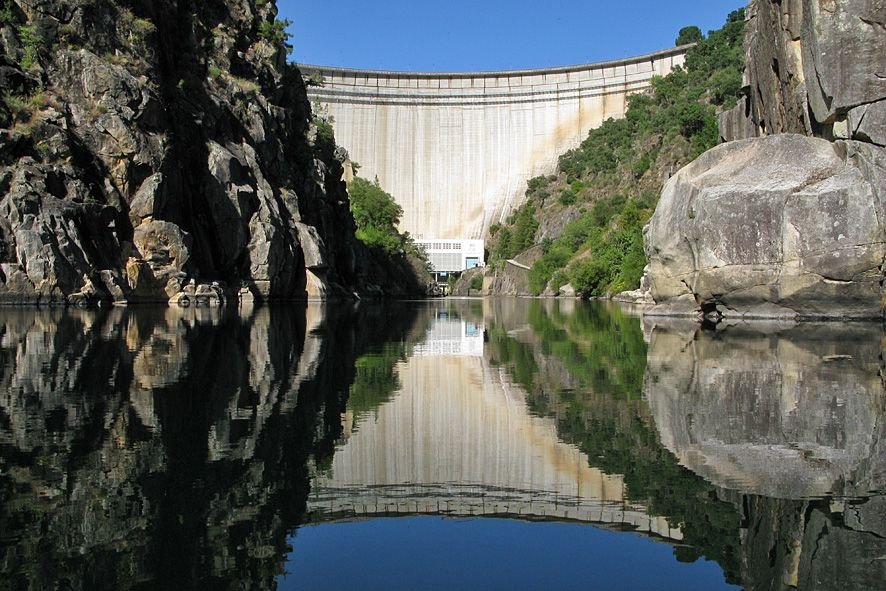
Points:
x=474, y=35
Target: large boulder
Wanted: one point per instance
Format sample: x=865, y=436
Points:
x=781, y=226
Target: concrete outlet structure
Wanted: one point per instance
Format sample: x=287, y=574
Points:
x=453, y=255
x=456, y=149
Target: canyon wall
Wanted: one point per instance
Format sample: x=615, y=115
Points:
x=786, y=219
x=151, y=148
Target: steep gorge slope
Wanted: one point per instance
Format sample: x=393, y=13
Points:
x=148, y=145
x=787, y=222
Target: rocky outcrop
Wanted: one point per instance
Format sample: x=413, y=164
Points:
x=144, y=145
x=512, y=277
x=780, y=224
x=814, y=67
x=467, y=283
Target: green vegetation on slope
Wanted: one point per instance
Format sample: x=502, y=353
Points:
x=601, y=348
x=377, y=215
x=376, y=379
x=606, y=189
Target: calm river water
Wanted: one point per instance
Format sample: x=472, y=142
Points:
x=452, y=444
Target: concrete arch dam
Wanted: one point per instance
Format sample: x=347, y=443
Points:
x=456, y=149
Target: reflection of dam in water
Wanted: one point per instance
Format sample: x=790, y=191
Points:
x=458, y=439
x=451, y=336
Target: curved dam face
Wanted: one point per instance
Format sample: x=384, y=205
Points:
x=456, y=149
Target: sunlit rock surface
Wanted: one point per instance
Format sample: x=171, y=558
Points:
x=782, y=226
x=813, y=67
x=788, y=221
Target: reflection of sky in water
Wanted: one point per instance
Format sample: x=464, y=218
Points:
x=438, y=553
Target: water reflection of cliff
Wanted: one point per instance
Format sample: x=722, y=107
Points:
x=173, y=448
x=166, y=448
x=764, y=445
x=789, y=422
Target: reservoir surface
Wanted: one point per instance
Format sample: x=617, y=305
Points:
x=470, y=444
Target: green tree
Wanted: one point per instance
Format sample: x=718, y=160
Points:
x=275, y=32
x=687, y=35
x=376, y=215
x=7, y=13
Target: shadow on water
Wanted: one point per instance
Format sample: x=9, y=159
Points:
x=176, y=449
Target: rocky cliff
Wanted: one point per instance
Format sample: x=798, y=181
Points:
x=151, y=149
x=790, y=225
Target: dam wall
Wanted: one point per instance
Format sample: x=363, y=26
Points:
x=456, y=149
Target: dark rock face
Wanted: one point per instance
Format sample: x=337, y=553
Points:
x=147, y=144
x=805, y=545
x=774, y=67
x=786, y=225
